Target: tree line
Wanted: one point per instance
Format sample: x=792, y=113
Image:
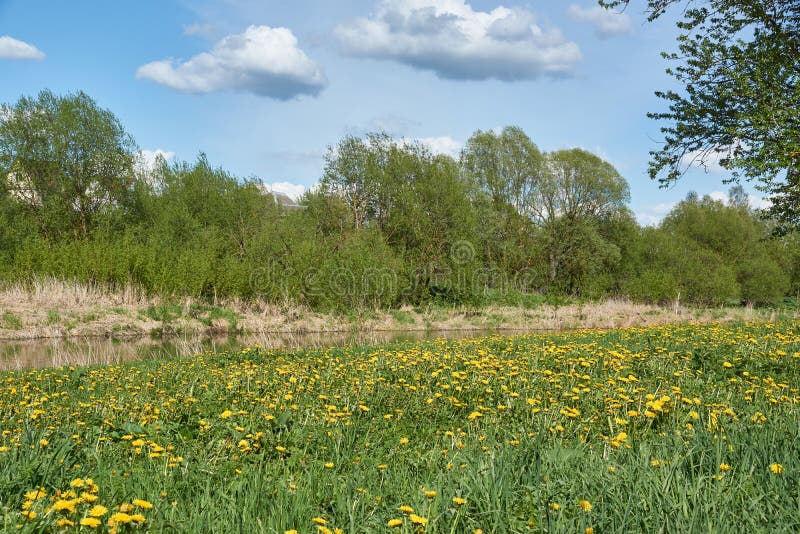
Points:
x=390, y=223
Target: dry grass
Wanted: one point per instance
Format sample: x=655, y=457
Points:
x=50, y=308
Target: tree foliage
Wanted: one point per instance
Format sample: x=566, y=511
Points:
x=738, y=62
x=66, y=160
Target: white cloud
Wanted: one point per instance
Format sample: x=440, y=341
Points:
x=294, y=191
x=262, y=60
x=442, y=145
x=652, y=215
x=456, y=42
x=11, y=48
x=148, y=157
x=754, y=201
x=606, y=23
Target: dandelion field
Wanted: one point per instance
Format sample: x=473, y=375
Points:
x=688, y=428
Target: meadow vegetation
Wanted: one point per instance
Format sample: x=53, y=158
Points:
x=689, y=428
x=390, y=225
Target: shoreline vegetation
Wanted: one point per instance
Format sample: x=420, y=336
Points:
x=51, y=308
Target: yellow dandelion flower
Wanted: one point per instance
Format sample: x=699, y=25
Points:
x=30, y=514
x=320, y=521
x=392, y=523
x=91, y=522
x=142, y=504
x=407, y=509
x=776, y=469
x=290, y=531
x=585, y=505
x=329, y=465
x=459, y=501
x=403, y=441
x=418, y=520
x=64, y=522
x=724, y=467
x=429, y=493
x=98, y=510
x=119, y=518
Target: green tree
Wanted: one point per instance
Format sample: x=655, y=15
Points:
x=739, y=65
x=65, y=160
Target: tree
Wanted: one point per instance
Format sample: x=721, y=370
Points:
x=739, y=64
x=65, y=160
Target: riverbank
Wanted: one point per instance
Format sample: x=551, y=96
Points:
x=55, y=309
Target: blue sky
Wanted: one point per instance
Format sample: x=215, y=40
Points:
x=264, y=87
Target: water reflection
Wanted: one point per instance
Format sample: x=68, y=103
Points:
x=98, y=351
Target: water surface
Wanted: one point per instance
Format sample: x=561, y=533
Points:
x=100, y=351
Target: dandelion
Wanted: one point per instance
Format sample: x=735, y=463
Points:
x=98, y=510
x=291, y=531
x=29, y=514
x=407, y=509
x=329, y=465
x=459, y=501
x=393, y=523
x=142, y=504
x=91, y=522
x=418, y=520
x=724, y=467
x=320, y=521
x=776, y=469
x=119, y=518
x=429, y=493
x=585, y=505
x=403, y=441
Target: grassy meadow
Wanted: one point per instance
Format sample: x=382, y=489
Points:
x=678, y=428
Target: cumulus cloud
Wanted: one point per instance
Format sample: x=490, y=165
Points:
x=148, y=157
x=262, y=60
x=753, y=201
x=457, y=42
x=293, y=191
x=606, y=23
x=11, y=48
x=442, y=145
x=652, y=215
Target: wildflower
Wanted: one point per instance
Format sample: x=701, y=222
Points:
x=429, y=493
x=474, y=415
x=589, y=530
x=138, y=518
x=120, y=518
x=43, y=442
x=226, y=414
x=98, y=510
x=724, y=467
x=459, y=501
x=77, y=483
x=142, y=504
x=403, y=441
x=585, y=505
x=64, y=505
x=64, y=522
x=30, y=514
x=418, y=520
x=280, y=449
x=554, y=506
x=776, y=469
x=392, y=523
x=319, y=521
x=91, y=522
x=329, y=465
x=290, y=531
x=407, y=509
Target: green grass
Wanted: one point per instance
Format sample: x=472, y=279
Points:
x=10, y=320
x=640, y=423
